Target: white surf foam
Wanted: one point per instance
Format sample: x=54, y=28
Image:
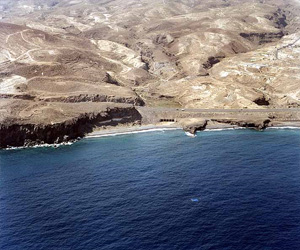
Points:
x=46, y=145
x=190, y=134
x=286, y=127
x=132, y=132
x=222, y=129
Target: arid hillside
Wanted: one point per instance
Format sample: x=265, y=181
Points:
x=159, y=53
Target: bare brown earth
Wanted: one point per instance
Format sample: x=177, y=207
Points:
x=64, y=60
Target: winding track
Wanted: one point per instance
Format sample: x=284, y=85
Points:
x=286, y=46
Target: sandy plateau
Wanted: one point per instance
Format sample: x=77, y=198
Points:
x=70, y=67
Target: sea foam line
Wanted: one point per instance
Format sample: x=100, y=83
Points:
x=221, y=129
x=46, y=145
x=286, y=127
x=131, y=132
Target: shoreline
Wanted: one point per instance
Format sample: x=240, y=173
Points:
x=137, y=129
x=130, y=119
x=125, y=130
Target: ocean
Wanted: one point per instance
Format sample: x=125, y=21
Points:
x=235, y=189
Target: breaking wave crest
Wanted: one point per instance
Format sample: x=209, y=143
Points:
x=46, y=145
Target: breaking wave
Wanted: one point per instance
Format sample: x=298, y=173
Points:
x=46, y=145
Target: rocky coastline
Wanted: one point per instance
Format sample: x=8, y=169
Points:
x=18, y=134
x=116, y=120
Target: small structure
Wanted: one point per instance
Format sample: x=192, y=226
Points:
x=167, y=120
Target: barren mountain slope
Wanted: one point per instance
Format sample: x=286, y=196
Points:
x=189, y=53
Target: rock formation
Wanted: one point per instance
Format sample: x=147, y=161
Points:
x=193, y=124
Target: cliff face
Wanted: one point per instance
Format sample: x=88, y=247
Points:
x=14, y=134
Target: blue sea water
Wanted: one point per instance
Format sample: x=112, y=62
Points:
x=160, y=190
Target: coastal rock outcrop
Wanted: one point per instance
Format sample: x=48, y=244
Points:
x=258, y=124
x=193, y=125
